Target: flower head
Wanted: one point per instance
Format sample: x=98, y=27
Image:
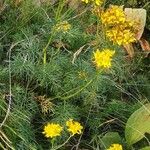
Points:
x=86, y=1
x=120, y=36
x=113, y=15
x=45, y=103
x=115, y=147
x=119, y=29
x=63, y=26
x=95, y=2
x=82, y=74
x=98, y=2
x=74, y=127
x=52, y=130
x=102, y=59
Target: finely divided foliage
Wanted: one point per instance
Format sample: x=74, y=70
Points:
x=65, y=80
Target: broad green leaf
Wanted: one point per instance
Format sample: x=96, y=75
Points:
x=146, y=148
x=110, y=138
x=137, y=125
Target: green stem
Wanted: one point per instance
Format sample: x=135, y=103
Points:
x=76, y=93
x=45, y=50
x=52, y=142
x=59, y=9
x=47, y=45
x=62, y=144
x=97, y=29
x=80, y=90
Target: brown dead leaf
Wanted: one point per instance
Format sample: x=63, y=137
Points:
x=145, y=46
x=2, y=6
x=17, y=2
x=59, y=44
x=130, y=50
x=139, y=16
x=91, y=29
x=76, y=54
x=45, y=104
x=74, y=4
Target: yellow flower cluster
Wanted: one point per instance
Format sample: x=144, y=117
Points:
x=115, y=147
x=114, y=15
x=96, y=2
x=52, y=130
x=119, y=29
x=74, y=127
x=120, y=36
x=102, y=59
x=63, y=26
x=82, y=74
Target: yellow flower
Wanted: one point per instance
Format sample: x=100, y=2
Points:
x=120, y=36
x=52, y=130
x=115, y=147
x=82, y=74
x=74, y=127
x=113, y=15
x=96, y=2
x=119, y=29
x=63, y=26
x=86, y=1
x=102, y=59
